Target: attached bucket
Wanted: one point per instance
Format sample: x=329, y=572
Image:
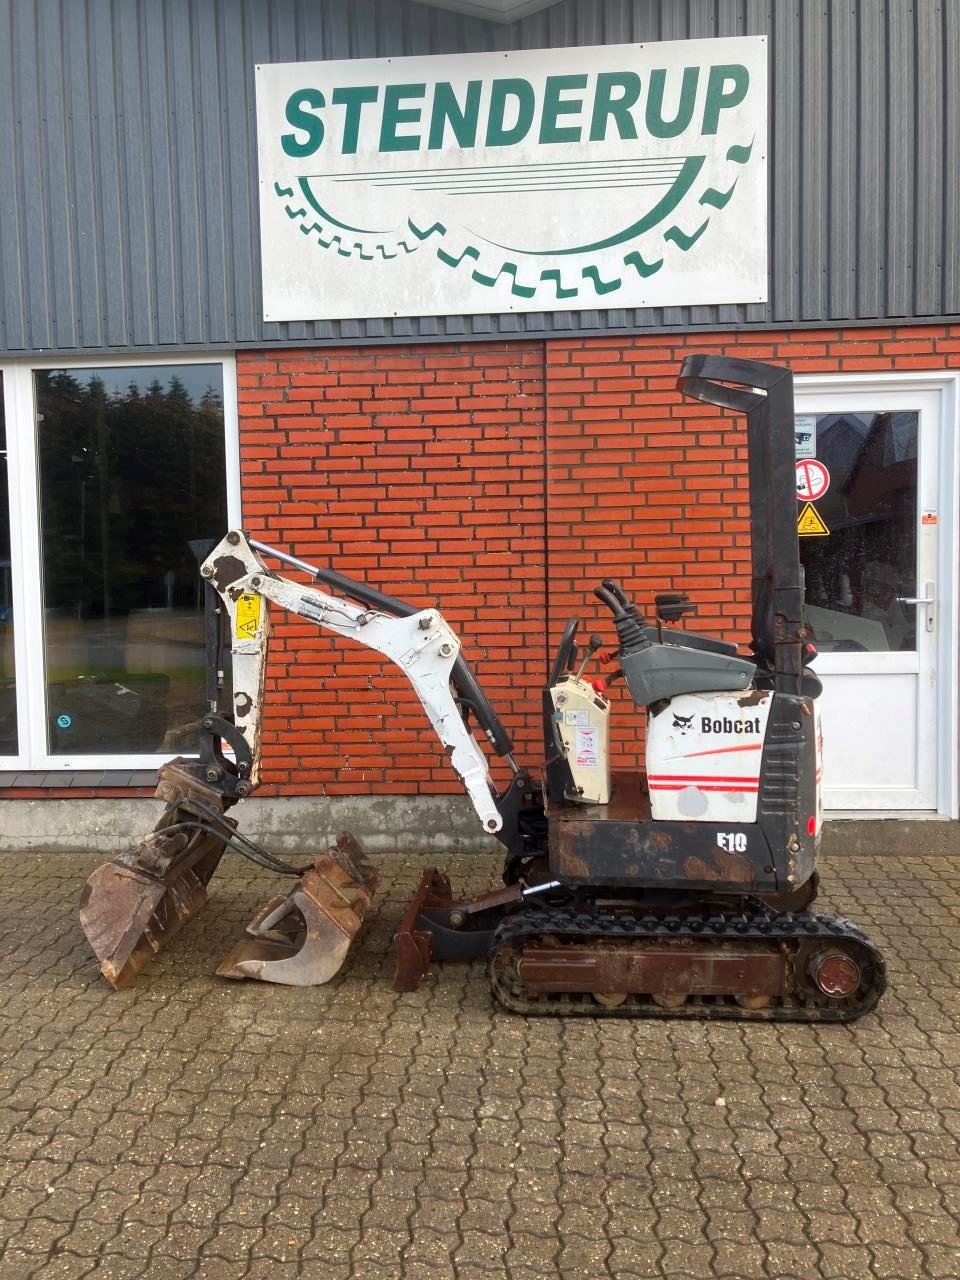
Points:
x=302, y=940
x=131, y=907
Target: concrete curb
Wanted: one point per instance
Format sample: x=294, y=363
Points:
x=418, y=825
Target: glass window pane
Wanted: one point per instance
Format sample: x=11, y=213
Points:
x=8, y=692
x=854, y=575
x=132, y=496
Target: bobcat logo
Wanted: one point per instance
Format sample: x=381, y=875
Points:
x=683, y=723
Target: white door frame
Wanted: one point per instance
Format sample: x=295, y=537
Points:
x=20, y=418
x=946, y=385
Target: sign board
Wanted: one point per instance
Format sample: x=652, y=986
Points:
x=630, y=175
x=805, y=435
x=810, y=523
x=813, y=480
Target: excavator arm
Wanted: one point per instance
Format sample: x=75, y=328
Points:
x=421, y=644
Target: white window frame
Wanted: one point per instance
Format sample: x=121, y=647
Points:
x=946, y=384
x=20, y=415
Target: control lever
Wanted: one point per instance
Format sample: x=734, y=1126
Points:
x=616, y=590
x=607, y=597
x=629, y=606
x=626, y=618
x=593, y=645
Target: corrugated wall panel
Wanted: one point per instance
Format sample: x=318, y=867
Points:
x=128, y=179
x=870, y=204
x=901, y=194
x=928, y=255
x=841, y=184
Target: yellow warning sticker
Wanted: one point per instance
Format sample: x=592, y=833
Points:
x=248, y=616
x=810, y=523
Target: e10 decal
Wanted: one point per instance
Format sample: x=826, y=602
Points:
x=732, y=841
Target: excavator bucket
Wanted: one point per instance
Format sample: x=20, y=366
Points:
x=303, y=939
x=131, y=907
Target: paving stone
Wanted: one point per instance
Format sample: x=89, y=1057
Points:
x=187, y=1128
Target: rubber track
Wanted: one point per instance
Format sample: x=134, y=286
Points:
x=579, y=924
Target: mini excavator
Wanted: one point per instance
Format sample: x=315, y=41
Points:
x=684, y=890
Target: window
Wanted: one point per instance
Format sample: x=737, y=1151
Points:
x=8, y=687
x=124, y=471
x=857, y=576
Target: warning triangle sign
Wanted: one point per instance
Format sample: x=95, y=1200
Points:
x=810, y=523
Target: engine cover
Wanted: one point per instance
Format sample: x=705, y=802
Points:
x=704, y=755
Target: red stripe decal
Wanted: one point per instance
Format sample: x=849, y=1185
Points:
x=682, y=786
x=704, y=777
x=722, y=751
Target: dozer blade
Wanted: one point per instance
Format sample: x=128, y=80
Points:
x=303, y=939
x=131, y=907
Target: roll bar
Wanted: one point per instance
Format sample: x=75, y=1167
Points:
x=764, y=393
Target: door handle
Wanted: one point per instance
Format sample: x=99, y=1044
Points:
x=928, y=600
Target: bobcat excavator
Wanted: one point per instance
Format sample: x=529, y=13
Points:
x=684, y=890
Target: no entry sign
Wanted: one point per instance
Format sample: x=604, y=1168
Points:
x=813, y=480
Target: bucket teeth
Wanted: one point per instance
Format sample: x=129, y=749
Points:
x=303, y=939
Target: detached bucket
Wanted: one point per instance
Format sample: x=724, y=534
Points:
x=131, y=907
x=302, y=940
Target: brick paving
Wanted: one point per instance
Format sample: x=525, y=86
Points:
x=194, y=1127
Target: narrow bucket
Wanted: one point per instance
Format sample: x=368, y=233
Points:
x=302, y=940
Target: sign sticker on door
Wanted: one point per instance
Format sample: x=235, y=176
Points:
x=810, y=523
x=813, y=480
x=805, y=436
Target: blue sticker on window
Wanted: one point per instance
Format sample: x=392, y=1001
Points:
x=64, y=722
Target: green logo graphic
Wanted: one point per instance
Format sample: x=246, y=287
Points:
x=489, y=260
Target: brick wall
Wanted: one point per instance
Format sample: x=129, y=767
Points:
x=420, y=471
x=500, y=481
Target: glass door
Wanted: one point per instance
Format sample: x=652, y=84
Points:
x=871, y=576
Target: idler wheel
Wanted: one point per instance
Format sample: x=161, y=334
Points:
x=834, y=973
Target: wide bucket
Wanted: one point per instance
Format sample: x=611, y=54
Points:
x=131, y=907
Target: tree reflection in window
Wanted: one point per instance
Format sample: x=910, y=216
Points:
x=132, y=492
x=8, y=688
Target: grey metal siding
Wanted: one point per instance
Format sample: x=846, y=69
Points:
x=128, y=179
